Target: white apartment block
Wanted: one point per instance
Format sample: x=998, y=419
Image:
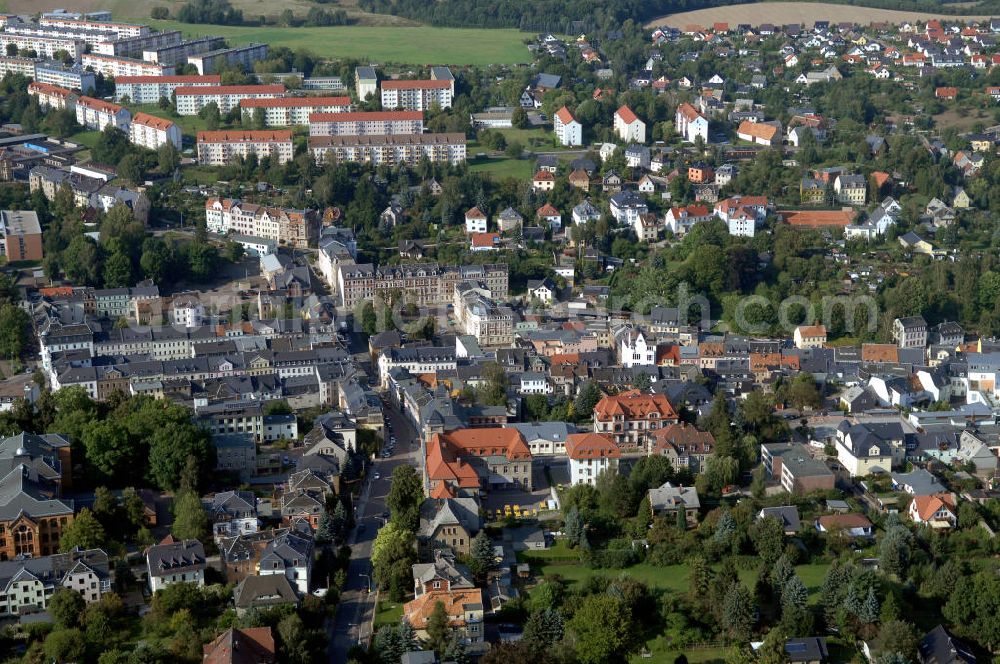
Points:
x=89, y=37
x=98, y=114
x=176, y=54
x=226, y=97
x=416, y=95
x=289, y=111
x=12, y=64
x=690, y=123
x=51, y=96
x=121, y=30
x=567, y=128
x=242, y=56
x=234, y=217
x=217, y=148
x=629, y=127
x=133, y=47
x=45, y=47
x=151, y=132
x=116, y=67
x=390, y=150
x=150, y=89
x=377, y=123
x=71, y=78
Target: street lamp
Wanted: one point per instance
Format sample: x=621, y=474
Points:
x=369, y=579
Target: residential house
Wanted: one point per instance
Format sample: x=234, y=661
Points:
x=174, y=561
x=667, y=499
x=631, y=417
x=567, y=128
x=809, y=336
x=690, y=123
x=939, y=510
x=687, y=447
x=851, y=525
x=628, y=126
x=475, y=221
x=787, y=515
x=939, y=647
x=760, y=133
x=590, y=454
x=795, y=468
x=448, y=523
x=910, y=332
x=850, y=189
x=241, y=646
x=464, y=608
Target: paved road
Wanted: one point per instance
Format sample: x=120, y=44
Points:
x=355, y=613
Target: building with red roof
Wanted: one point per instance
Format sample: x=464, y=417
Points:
x=630, y=418
x=470, y=460
x=590, y=454
x=191, y=99
x=628, y=126
x=417, y=95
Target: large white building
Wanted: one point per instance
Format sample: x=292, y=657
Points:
x=390, y=150
x=44, y=47
x=151, y=89
x=690, y=123
x=285, y=226
x=239, y=56
x=227, y=97
x=177, y=562
x=73, y=78
x=288, y=111
x=416, y=95
x=478, y=315
x=133, y=47
x=98, y=114
x=151, y=132
x=217, y=148
x=51, y=96
x=176, y=54
x=590, y=454
x=116, y=67
x=629, y=127
x=375, y=123
x=567, y=128
x=120, y=30
x=635, y=349
x=13, y=64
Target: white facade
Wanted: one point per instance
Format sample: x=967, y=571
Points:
x=416, y=95
x=289, y=111
x=586, y=471
x=226, y=97
x=475, y=222
x=567, y=128
x=690, y=124
x=45, y=47
x=628, y=127
x=151, y=89
x=152, y=132
x=187, y=312
x=98, y=114
x=378, y=123
x=115, y=67
x=239, y=56
x=635, y=351
x=217, y=148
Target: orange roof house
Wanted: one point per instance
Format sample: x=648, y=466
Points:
x=762, y=133
x=591, y=446
x=631, y=416
x=250, y=645
x=946, y=93
x=459, y=458
x=938, y=509
x=879, y=353
x=459, y=603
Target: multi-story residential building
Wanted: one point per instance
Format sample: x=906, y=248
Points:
x=480, y=316
x=628, y=126
x=865, y=448
x=288, y=111
x=567, y=128
x=418, y=360
x=296, y=228
x=45, y=47
x=690, y=123
x=390, y=150
x=32, y=517
x=50, y=96
x=232, y=513
x=477, y=459
x=910, y=332
x=20, y=236
x=590, y=454
x=631, y=417
x=238, y=56
x=98, y=114
x=175, y=54
x=680, y=220
x=217, y=148
x=850, y=189
x=151, y=132
x=227, y=97
x=417, y=95
x=133, y=47
x=13, y=64
x=686, y=446
x=422, y=283
x=448, y=524
x=115, y=67
x=465, y=610
x=476, y=221
x=58, y=74
x=175, y=562
x=635, y=349
x=151, y=89
x=27, y=584
x=365, y=82
x=121, y=30
x=375, y=123
x=794, y=466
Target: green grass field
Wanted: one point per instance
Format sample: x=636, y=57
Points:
x=503, y=167
x=405, y=45
x=388, y=613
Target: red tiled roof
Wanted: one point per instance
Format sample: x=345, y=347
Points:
x=250, y=645
x=48, y=89
x=475, y=213
x=99, y=105
x=590, y=446
x=564, y=115
x=544, y=175
x=626, y=114
x=148, y=120
x=812, y=331
x=295, y=102
x=927, y=506
x=688, y=111
x=416, y=85
x=879, y=353
x=485, y=239
x=418, y=611
x=760, y=130
x=547, y=211
x=634, y=405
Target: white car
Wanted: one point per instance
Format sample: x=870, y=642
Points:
x=377, y=475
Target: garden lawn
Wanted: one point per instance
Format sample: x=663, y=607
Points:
x=503, y=167
x=87, y=137
x=388, y=613
x=417, y=45
x=661, y=653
